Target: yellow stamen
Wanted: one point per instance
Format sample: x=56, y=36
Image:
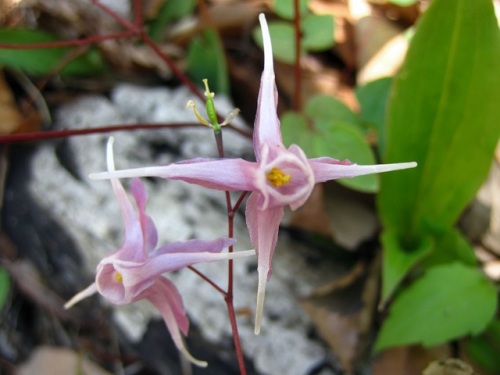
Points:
x=191, y=104
x=277, y=178
x=118, y=277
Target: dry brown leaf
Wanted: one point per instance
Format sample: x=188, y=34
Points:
x=343, y=317
x=11, y=118
x=450, y=366
x=407, y=360
x=311, y=216
x=48, y=360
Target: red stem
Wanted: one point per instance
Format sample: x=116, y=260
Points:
x=297, y=97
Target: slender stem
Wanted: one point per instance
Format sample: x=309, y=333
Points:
x=297, y=97
x=138, y=14
x=56, y=134
x=123, y=21
x=208, y=280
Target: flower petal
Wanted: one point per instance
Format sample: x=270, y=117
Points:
x=132, y=245
x=263, y=226
x=191, y=246
x=267, y=125
x=149, y=232
x=326, y=169
x=220, y=174
x=87, y=292
x=165, y=297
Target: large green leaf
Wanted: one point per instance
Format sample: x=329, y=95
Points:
x=443, y=113
x=45, y=60
x=447, y=302
x=206, y=59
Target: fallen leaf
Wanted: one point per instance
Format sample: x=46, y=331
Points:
x=11, y=118
x=342, y=312
x=407, y=360
x=450, y=366
x=48, y=360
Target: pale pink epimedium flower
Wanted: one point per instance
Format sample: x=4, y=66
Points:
x=279, y=176
x=134, y=271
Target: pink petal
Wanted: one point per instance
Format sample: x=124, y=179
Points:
x=165, y=297
x=149, y=232
x=122, y=282
x=220, y=174
x=133, y=242
x=326, y=169
x=267, y=124
x=87, y=292
x=192, y=246
x=263, y=226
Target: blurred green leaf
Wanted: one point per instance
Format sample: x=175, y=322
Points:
x=373, y=98
x=403, y=3
x=447, y=302
x=4, y=286
x=334, y=133
x=282, y=38
x=285, y=8
x=206, y=59
x=443, y=113
x=318, y=32
x=484, y=349
x=399, y=260
x=327, y=108
x=345, y=141
x=171, y=10
x=294, y=130
x=45, y=60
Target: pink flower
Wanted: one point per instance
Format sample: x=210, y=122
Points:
x=277, y=178
x=134, y=272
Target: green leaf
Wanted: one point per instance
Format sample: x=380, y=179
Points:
x=483, y=349
x=447, y=302
x=373, y=98
x=282, y=38
x=285, y=8
x=294, y=130
x=318, y=32
x=443, y=114
x=345, y=141
x=399, y=258
x=403, y=3
x=170, y=11
x=4, y=286
x=327, y=108
x=331, y=137
x=451, y=246
x=206, y=59
x=45, y=60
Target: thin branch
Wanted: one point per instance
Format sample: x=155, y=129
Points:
x=297, y=97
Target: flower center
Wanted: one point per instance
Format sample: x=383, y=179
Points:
x=118, y=277
x=277, y=178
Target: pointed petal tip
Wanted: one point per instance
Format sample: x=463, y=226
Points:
x=192, y=359
x=261, y=294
